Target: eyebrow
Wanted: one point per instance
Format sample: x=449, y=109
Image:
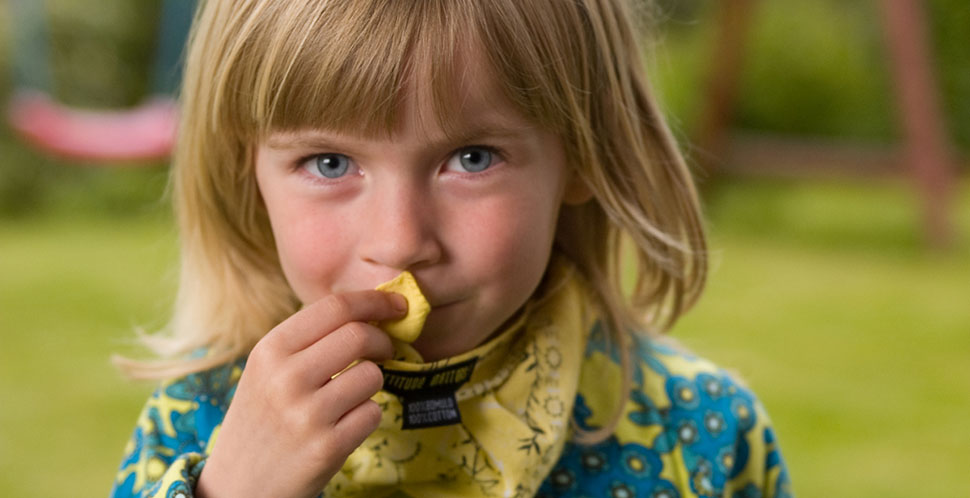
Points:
x=298, y=140
x=313, y=139
x=485, y=130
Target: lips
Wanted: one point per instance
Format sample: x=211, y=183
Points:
x=437, y=299
x=438, y=309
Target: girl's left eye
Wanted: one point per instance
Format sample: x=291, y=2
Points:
x=473, y=159
x=331, y=166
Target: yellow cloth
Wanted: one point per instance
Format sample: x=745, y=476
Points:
x=515, y=411
x=406, y=329
x=687, y=427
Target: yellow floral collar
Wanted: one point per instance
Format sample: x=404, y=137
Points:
x=514, y=401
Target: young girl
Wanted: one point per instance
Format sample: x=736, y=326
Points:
x=506, y=153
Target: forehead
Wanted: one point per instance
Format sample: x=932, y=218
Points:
x=475, y=109
x=425, y=62
x=473, y=102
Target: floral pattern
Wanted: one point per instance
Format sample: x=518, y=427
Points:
x=711, y=437
x=688, y=429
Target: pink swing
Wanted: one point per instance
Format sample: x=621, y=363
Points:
x=145, y=132
x=137, y=135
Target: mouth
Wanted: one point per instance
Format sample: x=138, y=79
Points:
x=443, y=306
x=444, y=301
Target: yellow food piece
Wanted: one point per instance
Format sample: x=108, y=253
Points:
x=406, y=329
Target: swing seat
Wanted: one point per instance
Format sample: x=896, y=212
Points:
x=145, y=132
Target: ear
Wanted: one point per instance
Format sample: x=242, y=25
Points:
x=577, y=190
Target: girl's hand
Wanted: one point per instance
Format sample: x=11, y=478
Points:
x=291, y=425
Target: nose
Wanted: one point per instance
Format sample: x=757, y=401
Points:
x=399, y=229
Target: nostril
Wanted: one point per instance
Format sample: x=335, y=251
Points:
x=398, y=227
x=402, y=248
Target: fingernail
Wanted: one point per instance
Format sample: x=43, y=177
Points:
x=399, y=302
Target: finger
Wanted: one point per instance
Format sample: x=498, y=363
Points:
x=347, y=390
x=334, y=352
x=356, y=425
x=322, y=317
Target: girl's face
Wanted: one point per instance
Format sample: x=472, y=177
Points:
x=472, y=218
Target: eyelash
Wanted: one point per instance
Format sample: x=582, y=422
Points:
x=497, y=153
x=498, y=157
x=303, y=163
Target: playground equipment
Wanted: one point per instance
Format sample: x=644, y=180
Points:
x=926, y=150
x=123, y=136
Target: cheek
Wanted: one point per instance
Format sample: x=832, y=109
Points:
x=311, y=250
x=510, y=237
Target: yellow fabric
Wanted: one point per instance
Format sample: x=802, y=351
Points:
x=687, y=428
x=673, y=385
x=515, y=411
x=406, y=329
x=177, y=480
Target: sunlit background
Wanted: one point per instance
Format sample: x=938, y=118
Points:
x=837, y=292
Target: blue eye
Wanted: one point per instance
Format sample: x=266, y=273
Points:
x=471, y=160
x=330, y=165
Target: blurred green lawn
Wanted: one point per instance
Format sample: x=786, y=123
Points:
x=821, y=297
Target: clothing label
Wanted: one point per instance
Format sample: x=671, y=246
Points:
x=428, y=397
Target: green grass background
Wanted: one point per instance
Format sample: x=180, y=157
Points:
x=821, y=296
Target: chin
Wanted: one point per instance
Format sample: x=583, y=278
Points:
x=433, y=346
x=440, y=342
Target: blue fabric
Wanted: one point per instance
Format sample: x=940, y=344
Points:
x=701, y=433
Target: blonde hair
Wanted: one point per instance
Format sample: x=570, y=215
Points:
x=573, y=67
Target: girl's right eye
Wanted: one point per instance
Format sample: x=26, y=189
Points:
x=330, y=166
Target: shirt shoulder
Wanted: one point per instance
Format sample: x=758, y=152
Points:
x=200, y=400
x=175, y=427
x=687, y=428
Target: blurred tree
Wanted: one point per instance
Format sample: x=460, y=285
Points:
x=810, y=67
x=949, y=23
x=102, y=50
